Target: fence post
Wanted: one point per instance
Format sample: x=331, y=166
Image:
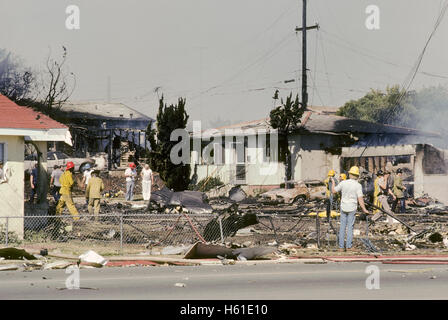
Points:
x=121, y=232
x=220, y=229
x=317, y=230
x=7, y=230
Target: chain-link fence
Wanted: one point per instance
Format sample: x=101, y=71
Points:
x=125, y=233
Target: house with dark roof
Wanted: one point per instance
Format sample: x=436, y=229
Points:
x=19, y=126
x=104, y=128
x=247, y=153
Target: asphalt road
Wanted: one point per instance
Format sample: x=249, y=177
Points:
x=233, y=282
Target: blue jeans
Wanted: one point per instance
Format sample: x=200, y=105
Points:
x=402, y=205
x=130, y=190
x=347, y=220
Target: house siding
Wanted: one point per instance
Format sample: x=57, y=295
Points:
x=11, y=200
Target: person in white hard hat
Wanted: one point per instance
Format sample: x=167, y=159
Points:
x=351, y=195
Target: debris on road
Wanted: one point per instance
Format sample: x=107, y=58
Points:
x=180, y=284
x=57, y=265
x=93, y=258
x=15, y=254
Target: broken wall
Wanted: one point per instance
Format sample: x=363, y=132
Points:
x=430, y=175
x=314, y=160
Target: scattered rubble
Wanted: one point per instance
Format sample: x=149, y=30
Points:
x=287, y=195
x=92, y=258
x=15, y=254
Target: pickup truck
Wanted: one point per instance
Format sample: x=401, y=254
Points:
x=59, y=158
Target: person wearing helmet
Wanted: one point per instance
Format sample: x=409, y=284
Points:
x=329, y=195
x=399, y=190
x=351, y=195
x=385, y=191
x=93, y=193
x=376, y=191
x=343, y=176
x=130, y=174
x=66, y=199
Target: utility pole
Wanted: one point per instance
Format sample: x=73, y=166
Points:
x=304, y=78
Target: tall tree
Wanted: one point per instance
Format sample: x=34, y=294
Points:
x=392, y=107
x=59, y=83
x=425, y=109
x=45, y=91
x=286, y=118
x=169, y=118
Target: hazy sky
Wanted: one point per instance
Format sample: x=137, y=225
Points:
x=228, y=57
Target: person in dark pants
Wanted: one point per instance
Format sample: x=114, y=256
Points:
x=399, y=189
x=55, y=185
x=33, y=182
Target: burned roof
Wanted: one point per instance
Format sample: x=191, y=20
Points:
x=102, y=110
x=316, y=122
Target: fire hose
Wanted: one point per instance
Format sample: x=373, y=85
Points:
x=391, y=215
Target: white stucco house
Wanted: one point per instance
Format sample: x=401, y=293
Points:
x=242, y=153
x=20, y=125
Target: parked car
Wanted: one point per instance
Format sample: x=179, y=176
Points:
x=59, y=158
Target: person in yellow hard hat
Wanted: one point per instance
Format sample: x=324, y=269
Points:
x=351, y=195
x=93, y=193
x=67, y=183
x=376, y=191
x=342, y=177
x=329, y=195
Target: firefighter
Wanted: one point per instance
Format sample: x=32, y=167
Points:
x=376, y=191
x=67, y=183
x=93, y=193
x=329, y=195
x=399, y=190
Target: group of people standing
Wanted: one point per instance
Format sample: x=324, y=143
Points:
x=351, y=195
x=385, y=185
x=147, y=181
x=62, y=183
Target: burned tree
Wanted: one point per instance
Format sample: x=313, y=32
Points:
x=176, y=176
x=286, y=118
x=59, y=83
x=17, y=81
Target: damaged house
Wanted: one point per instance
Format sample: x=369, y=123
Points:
x=113, y=130
x=20, y=126
x=242, y=153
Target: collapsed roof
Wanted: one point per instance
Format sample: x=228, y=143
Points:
x=315, y=122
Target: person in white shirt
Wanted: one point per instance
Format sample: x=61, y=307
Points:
x=147, y=181
x=87, y=174
x=351, y=195
x=130, y=174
